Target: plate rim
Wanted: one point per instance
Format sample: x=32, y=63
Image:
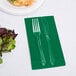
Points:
x=3, y=9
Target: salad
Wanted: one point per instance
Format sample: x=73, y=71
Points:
x=7, y=41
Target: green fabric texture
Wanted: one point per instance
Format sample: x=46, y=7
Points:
x=44, y=43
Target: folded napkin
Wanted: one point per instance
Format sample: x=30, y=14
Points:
x=44, y=44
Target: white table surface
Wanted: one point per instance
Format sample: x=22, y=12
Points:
x=64, y=12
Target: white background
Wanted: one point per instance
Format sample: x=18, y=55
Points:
x=18, y=63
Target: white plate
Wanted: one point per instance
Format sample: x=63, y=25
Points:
x=5, y=6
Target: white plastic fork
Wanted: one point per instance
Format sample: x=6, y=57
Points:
x=37, y=33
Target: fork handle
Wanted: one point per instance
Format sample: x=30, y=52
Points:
x=43, y=61
x=50, y=50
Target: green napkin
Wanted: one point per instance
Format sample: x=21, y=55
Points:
x=44, y=44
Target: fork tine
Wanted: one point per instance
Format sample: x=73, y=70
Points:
x=32, y=24
x=38, y=25
x=37, y=28
x=35, y=25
